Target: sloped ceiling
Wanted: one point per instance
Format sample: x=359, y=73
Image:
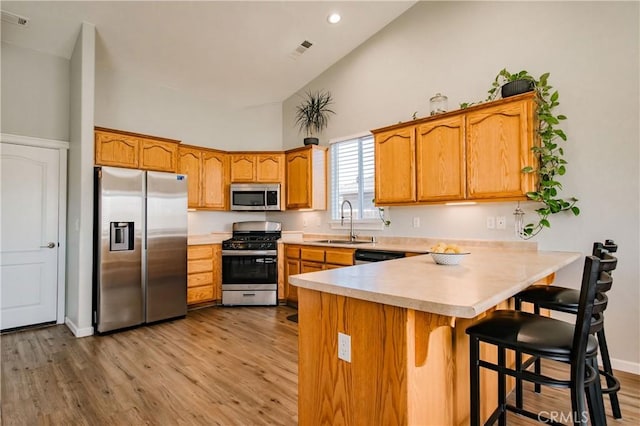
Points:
x=236, y=52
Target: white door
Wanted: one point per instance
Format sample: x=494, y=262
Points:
x=28, y=235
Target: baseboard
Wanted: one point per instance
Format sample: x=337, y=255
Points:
x=627, y=366
x=78, y=332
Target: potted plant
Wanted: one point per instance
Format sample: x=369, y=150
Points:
x=550, y=165
x=312, y=115
x=511, y=84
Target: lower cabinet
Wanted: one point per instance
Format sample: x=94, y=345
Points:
x=301, y=259
x=204, y=273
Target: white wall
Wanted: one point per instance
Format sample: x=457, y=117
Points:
x=129, y=103
x=35, y=93
x=80, y=185
x=591, y=50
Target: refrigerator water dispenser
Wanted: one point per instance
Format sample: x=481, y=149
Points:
x=121, y=236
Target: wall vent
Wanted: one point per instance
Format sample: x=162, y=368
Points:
x=12, y=18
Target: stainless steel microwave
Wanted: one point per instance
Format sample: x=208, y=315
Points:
x=255, y=196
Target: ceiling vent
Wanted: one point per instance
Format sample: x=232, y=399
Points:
x=12, y=18
x=300, y=49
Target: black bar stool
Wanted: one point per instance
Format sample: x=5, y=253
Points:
x=553, y=339
x=562, y=299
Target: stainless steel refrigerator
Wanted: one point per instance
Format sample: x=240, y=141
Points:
x=140, y=247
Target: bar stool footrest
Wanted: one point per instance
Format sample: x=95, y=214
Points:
x=610, y=378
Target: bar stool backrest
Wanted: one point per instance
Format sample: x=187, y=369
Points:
x=584, y=317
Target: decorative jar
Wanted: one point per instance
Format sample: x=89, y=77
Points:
x=438, y=104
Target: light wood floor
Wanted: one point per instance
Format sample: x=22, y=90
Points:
x=227, y=366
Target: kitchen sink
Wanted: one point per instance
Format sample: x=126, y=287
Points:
x=340, y=242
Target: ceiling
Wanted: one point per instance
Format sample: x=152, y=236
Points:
x=234, y=52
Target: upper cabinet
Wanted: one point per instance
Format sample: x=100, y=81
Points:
x=125, y=149
x=243, y=168
x=394, y=184
x=499, y=141
x=306, y=177
x=472, y=154
x=207, y=173
x=257, y=167
x=190, y=164
x=270, y=167
x=115, y=149
x=158, y=155
x=440, y=159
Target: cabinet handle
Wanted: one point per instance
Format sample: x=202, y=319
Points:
x=50, y=245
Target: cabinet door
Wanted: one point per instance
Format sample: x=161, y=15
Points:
x=189, y=160
x=299, y=180
x=217, y=271
x=243, y=168
x=113, y=149
x=292, y=267
x=270, y=168
x=158, y=155
x=499, y=141
x=440, y=163
x=215, y=180
x=395, y=178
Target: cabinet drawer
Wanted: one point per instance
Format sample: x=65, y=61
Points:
x=339, y=257
x=293, y=252
x=200, y=294
x=195, y=266
x=199, y=252
x=203, y=278
x=313, y=254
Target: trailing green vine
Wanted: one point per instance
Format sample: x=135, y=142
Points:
x=551, y=164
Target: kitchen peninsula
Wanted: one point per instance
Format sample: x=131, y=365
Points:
x=406, y=320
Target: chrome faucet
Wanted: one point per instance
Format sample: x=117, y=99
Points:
x=352, y=236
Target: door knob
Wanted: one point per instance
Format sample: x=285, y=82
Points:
x=50, y=245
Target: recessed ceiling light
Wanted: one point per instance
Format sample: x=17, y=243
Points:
x=334, y=18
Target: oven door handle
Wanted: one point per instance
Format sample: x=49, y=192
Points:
x=249, y=252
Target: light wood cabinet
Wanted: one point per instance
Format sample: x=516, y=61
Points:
x=215, y=180
x=243, y=168
x=270, y=167
x=301, y=259
x=476, y=153
x=257, y=167
x=499, y=141
x=158, y=155
x=125, y=149
x=204, y=273
x=208, y=177
x=440, y=161
x=115, y=149
x=395, y=178
x=190, y=164
x=306, y=177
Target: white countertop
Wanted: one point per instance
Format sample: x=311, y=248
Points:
x=483, y=279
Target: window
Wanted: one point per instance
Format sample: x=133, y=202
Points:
x=352, y=170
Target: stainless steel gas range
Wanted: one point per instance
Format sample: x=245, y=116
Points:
x=250, y=264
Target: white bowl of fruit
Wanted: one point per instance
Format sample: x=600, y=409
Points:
x=447, y=254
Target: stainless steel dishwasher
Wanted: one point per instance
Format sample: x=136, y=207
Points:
x=367, y=256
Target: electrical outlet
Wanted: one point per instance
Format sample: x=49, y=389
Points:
x=416, y=222
x=501, y=222
x=344, y=347
x=491, y=222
